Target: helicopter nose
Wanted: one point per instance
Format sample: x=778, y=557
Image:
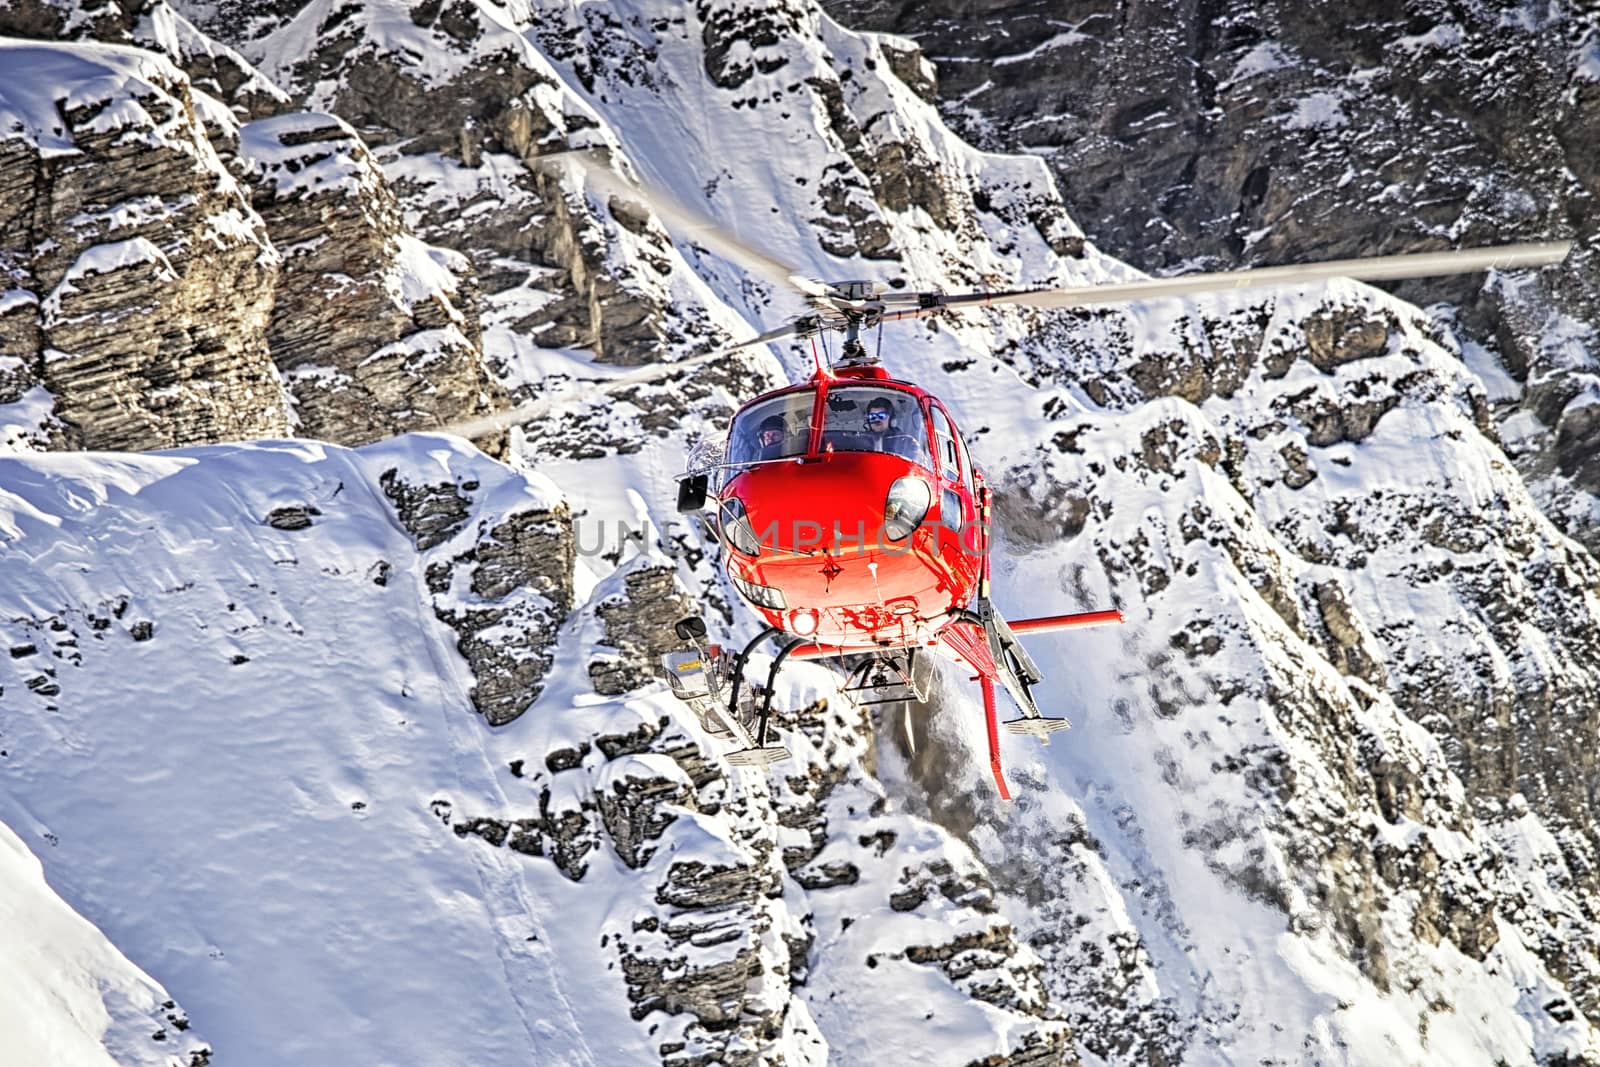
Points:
x=850, y=501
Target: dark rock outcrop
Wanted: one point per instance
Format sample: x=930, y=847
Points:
x=504, y=588
x=638, y=620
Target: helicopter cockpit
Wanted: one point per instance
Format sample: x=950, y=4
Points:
x=855, y=418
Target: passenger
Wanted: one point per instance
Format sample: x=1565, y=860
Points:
x=769, y=438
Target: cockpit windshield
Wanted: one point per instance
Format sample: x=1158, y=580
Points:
x=863, y=418
x=772, y=429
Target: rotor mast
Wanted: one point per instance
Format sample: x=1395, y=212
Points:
x=857, y=304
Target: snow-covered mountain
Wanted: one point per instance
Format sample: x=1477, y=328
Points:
x=357, y=753
x=247, y=748
x=1223, y=134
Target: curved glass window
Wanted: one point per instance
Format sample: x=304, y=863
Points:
x=772, y=429
x=944, y=434
x=864, y=418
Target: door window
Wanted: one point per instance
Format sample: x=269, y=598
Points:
x=772, y=429
x=944, y=436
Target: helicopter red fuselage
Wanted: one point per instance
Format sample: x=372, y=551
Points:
x=861, y=539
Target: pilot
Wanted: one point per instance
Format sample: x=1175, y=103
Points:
x=769, y=438
x=883, y=435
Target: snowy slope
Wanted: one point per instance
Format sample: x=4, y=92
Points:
x=270, y=710
x=69, y=996
x=308, y=902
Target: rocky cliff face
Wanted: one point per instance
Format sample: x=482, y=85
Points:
x=375, y=332
x=323, y=290
x=1328, y=688
x=139, y=278
x=459, y=95
x=212, y=67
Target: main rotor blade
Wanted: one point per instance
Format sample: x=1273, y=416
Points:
x=1378, y=268
x=684, y=221
x=806, y=324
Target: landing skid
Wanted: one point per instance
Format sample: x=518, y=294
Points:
x=697, y=678
x=757, y=757
x=749, y=754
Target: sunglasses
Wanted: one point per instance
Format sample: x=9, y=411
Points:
x=770, y=437
x=877, y=416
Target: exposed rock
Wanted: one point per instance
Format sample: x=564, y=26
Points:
x=366, y=326
x=505, y=593
x=1577, y=441
x=1351, y=650
x=1450, y=899
x=638, y=618
x=1341, y=335
x=635, y=795
x=564, y=833
x=910, y=66
x=293, y=517
x=490, y=96
x=151, y=277
x=432, y=513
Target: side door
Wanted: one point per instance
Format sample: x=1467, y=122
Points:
x=954, y=486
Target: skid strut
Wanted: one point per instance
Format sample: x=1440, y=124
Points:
x=772, y=685
x=739, y=664
x=756, y=752
x=1016, y=669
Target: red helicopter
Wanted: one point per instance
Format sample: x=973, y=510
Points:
x=854, y=521
x=851, y=516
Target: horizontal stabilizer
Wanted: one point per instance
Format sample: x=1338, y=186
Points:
x=757, y=757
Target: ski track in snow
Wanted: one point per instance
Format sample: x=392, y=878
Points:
x=504, y=888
